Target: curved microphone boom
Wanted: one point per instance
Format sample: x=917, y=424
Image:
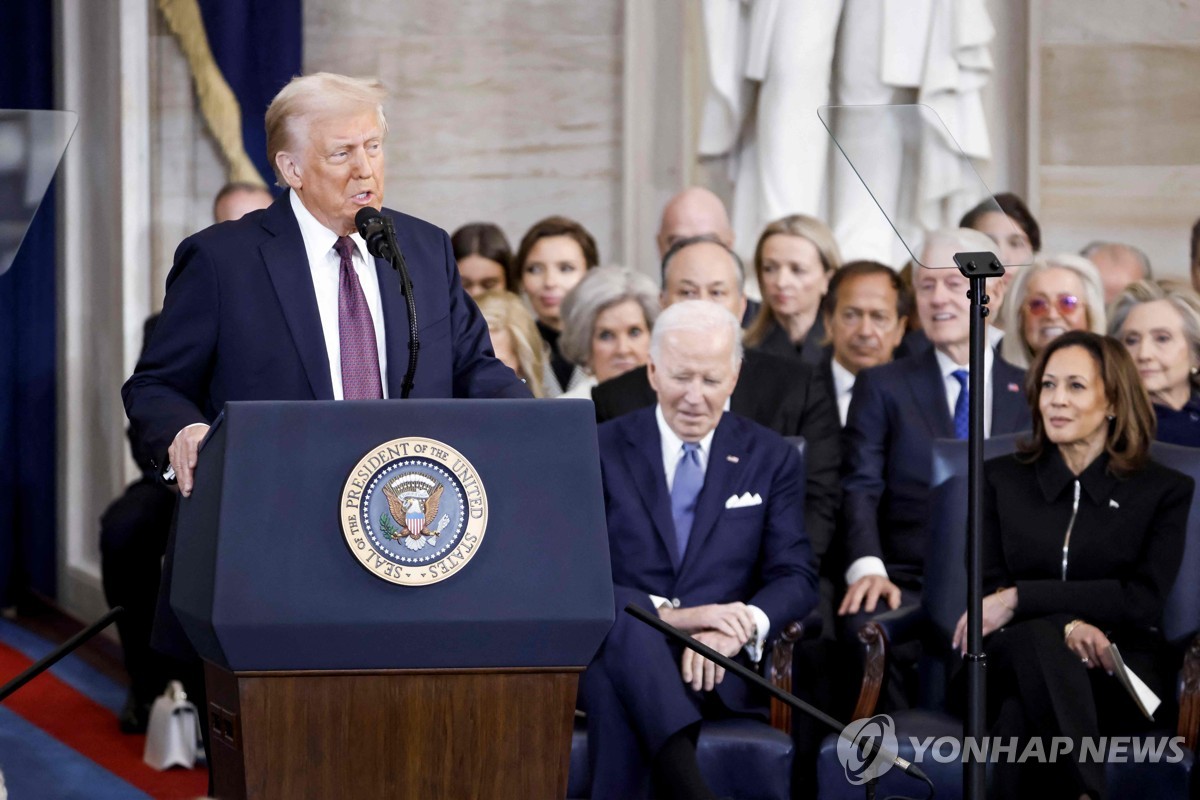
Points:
x=380, y=234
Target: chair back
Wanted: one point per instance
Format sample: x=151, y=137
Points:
x=1181, y=615
x=944, y=596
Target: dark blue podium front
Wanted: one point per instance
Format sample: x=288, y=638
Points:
x=264, y=578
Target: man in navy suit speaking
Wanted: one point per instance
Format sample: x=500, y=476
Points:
x=287, y=304
x=706, y=527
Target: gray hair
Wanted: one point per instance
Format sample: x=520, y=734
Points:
x=307, y=96
x=1113, y=248
x=601, y=289
x=704, y=238
x=701, y=317
x=960, y=240
x=1181, y=297
x=1013, y=347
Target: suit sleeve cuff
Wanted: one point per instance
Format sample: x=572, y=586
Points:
x=762, y=625
x=862, y=567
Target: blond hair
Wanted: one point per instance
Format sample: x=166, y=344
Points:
x=1013, y=347
x=806, y=227
x=505, y=311
x=306, y=97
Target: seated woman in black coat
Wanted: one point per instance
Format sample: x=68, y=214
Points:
x=1083, y=536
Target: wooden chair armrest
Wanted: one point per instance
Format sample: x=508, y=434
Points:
x=1189, y=695
x=779, y=666
x=875, y=642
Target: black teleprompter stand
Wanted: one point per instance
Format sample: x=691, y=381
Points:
x=977, y=268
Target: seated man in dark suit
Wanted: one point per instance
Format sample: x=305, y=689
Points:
x=866, y=310
x=782, y=394
x=896, y=412
x=696, y=211
x=705, y=526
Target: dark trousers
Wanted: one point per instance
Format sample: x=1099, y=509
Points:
x=635, y=700
x=133, y=538
x=1038, y=687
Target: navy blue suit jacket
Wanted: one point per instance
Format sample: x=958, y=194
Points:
x=758, y=555
x=240, y=322
x=896, y=412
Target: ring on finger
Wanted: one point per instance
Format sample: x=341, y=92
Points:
x=1085, y=660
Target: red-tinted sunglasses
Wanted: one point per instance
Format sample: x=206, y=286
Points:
x=1067, y=304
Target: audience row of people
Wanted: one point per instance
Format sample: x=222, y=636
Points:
x=593, y=327
x=886, y=353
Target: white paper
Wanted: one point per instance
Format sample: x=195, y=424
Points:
x=1146, y=700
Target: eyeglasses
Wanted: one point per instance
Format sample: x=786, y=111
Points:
x=1066, y=304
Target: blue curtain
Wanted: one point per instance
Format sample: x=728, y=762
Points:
x=257, y=45
x=27, y=335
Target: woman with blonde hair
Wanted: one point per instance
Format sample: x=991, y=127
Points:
x=515, y=337
x=794, y=260
x=1159, y=322
x=1051, y=296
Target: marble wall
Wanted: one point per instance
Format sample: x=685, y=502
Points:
x=1114, y=140
x=501, y=111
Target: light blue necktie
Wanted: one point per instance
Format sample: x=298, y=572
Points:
x=962, y=417
x=689, y=478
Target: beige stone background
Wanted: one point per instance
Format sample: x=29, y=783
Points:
x=1115, y=133
x=510, y=110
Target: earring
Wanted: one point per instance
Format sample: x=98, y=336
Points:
x=1111, y=417
x=1195, y=370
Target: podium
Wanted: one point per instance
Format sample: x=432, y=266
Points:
x=361, y=636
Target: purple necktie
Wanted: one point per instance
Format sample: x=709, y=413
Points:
x=356, y=332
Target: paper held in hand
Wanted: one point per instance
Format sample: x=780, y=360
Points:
x=1146, y=700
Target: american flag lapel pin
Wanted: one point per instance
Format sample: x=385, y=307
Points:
x=1012, y=387
x=731, y=459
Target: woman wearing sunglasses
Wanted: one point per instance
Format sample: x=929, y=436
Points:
x=1053, y=295
x=1159, y=322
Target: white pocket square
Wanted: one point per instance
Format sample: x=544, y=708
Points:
x=745, y=501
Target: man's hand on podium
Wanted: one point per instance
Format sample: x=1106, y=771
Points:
x=183, y=453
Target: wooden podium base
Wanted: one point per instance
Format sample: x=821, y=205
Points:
x=390, y=734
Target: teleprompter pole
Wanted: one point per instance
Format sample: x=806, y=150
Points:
x=977, y=268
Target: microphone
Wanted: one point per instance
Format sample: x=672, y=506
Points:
x=380, y=234
x=372, y=226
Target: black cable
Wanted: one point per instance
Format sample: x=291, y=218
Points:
x=60, y=652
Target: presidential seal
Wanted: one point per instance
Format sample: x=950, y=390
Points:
x=414, y=511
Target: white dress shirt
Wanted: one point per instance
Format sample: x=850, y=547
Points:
x=873, y=565
x=672, y=452
x=843, y=387
x=324, y=265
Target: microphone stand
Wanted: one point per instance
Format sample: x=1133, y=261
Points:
x=795, y=702
x=976, y=268
x=379, y=232
x=60, y=652
x=406, y=289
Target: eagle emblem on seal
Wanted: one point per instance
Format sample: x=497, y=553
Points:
x=413, y=500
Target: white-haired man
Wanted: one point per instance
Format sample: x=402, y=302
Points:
x=896, y=411
x=705, y=526
x=286, y=303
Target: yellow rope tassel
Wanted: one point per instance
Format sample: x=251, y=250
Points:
x=218, y=104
